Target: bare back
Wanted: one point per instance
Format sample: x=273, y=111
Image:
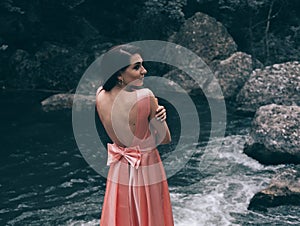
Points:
x=118, y=111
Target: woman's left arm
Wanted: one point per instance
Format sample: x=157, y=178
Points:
x=161, y=128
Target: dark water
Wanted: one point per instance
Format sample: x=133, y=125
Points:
x=45, y=181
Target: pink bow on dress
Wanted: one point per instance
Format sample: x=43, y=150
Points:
x=131, y=154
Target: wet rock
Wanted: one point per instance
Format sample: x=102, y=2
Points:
x=278, y=84
x=54, y=66
x=284, y=189
x=205, y=84
x=275, y=135
x=4, y=59
x=65, y=101
x=71, y=4
x=168, y=15
x=229, y=74
x=24, y=69
x=206, y=37
x=233, y=72
x=58, y=102
x=181, y=78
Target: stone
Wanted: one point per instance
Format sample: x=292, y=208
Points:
x=206, y=37
x=275, y=135
x=63, y=101
x=54, y=67
x=25, y=67
x=229, y=75
x=204, y=85
x=233, y=72
x=278, y=84
x=284, y=189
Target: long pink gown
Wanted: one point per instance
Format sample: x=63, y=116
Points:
x=137, y=191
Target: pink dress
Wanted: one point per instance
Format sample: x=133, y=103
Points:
x=137, y=191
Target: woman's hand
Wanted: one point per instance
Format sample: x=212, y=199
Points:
x=161, y=113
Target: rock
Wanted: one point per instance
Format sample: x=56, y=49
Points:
x=233, y=72
x=168, y=15
x=230, y=74
x=54, y=66
x=24, y=68
x=61, y=67
x=71, y=4
x=65, y=101
x=203, y=86
x=278, y=84
x=185, y=81
x=206, y=37
x=284, y=189
x=275, y=135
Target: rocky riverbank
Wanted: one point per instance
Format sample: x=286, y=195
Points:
x=275, y=135
x=270, y=93
x=284, y=189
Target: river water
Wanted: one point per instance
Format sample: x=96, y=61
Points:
x=45, y=181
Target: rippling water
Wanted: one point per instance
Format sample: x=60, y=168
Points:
x=45, y=180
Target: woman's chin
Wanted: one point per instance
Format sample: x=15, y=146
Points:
x=139, y=83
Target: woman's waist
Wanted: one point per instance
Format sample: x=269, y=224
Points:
x=137, y=147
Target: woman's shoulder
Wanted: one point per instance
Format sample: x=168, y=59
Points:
x=101, y=95
x=146, y=92
x=99, y=90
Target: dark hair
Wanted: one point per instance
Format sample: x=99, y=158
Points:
x=117, y=57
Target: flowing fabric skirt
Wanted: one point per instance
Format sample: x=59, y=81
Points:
x=137, y=197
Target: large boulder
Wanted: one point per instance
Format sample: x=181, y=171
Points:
x=63, y=101
x=278, y=84
x=205, y=84
x=54, y=66
x=206, y=37
x=23, y=68
x=275, y=135
x=229, y=74
x=233, y=72
x=284, y=189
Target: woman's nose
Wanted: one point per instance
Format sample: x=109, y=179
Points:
x=144, y=71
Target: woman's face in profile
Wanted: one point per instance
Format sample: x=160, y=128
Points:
x=135, y=72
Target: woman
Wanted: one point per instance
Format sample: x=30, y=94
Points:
x=136, y=190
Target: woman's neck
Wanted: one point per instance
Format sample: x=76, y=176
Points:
x=129, y=88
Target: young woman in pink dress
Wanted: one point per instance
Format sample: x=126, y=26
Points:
x=136, y=189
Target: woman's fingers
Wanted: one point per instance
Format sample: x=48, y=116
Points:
x=161, y=113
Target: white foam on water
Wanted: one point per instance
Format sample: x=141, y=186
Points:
x=228, y=182
x=83, y=223
x=233, y=178
x=216, y=201
x=199, y=210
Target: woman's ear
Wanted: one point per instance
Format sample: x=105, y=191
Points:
x=120, y=76
x=120, y=79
